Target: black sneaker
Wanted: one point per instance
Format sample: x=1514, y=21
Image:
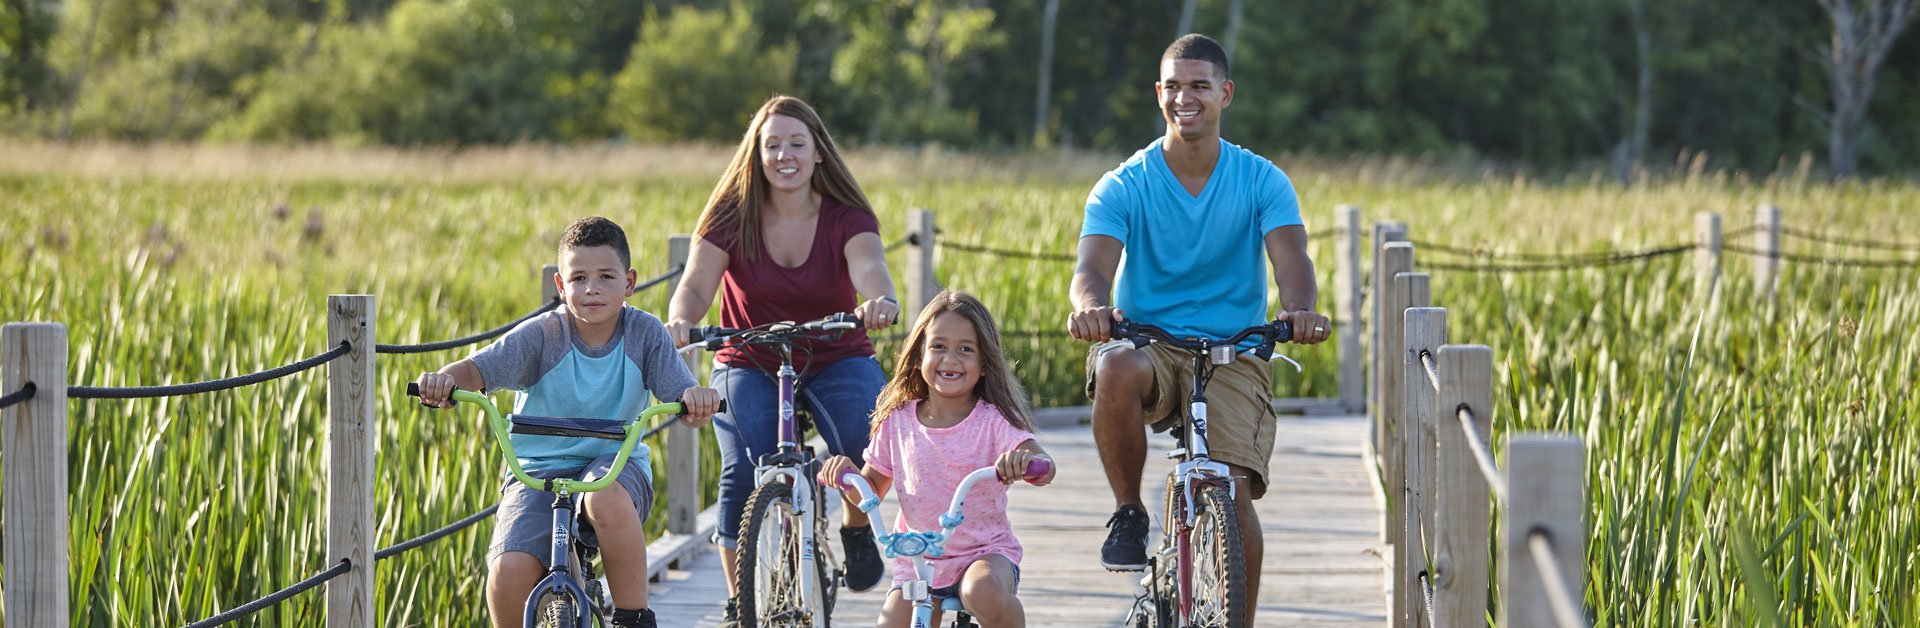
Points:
x=1126, y=546
x=730, y=618
x=642, y=618
x=863, y=568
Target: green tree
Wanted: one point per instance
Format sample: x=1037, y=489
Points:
x=697, y=74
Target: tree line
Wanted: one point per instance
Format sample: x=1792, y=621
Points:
x=1622, y=84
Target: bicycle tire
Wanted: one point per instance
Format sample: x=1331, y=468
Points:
x=556, y=611
x=1218, y=560
x=767, y=564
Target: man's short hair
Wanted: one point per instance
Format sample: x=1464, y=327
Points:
x=1198, y=47
x=597, y=231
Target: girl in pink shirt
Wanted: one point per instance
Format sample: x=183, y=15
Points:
x=953, y=406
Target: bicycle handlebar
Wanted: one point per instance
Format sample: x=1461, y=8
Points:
x=852, y=480
x=713, y=338
x=1270, y=334
x=574, y=428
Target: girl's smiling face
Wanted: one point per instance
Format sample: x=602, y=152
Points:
x=950, y=360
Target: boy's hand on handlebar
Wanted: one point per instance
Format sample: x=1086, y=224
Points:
x=678, y=330
x=831, y=470
x=1012, y=467
x=1308, y=327
x=1094, y=324
x=436, y=388
x=700, y=404
x=878, y=313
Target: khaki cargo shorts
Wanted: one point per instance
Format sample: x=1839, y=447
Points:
x=1240, y=417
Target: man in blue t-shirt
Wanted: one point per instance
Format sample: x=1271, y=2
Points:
x=1192, y=213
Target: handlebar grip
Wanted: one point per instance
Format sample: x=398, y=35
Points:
x=843, y=482
x=413, y=390
x=1038, y=468
x=1283, y=331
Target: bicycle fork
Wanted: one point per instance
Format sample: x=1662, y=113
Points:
x=803, y=505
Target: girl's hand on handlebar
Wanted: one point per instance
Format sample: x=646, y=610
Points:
x=700, y=403
x=677, y=330
x=878, y=313
x=1012, y=466
x=831, y=470
x=436, y=389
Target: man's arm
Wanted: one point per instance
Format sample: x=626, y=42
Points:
x=1293, y=274
x=1092, y=318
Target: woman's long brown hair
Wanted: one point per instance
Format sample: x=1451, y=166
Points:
x=741, y=196
x=997, y=384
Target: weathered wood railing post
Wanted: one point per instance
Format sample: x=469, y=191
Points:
x=1395, y=258
x=1426, y=331
x=1766, y=241
x=683, y=443
x=1346, y=281
x=351, y=434
x=1460, y=555
x=1548, y=495
x=1383, y=232
x=1706, y=259
x=34, y=440
x=921, y=282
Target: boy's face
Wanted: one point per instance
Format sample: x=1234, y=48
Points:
x=594, y=284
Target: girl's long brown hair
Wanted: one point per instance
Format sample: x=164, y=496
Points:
x=997, y=384
x=742, y=194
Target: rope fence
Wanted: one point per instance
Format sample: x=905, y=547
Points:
x=461, y=342
x=25, y=393
x=1906, y=247
x=175, y=390
x=276, y=597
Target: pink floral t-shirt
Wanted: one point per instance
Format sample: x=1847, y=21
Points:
x=927, y=464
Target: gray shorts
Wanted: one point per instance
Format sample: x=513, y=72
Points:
x=525, y=520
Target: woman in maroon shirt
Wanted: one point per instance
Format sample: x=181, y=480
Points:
x=789, y=236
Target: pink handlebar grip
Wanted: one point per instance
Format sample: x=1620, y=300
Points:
x=1038, y=468
x=842, y=481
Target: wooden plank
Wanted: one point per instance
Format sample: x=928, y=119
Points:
x=1346, y=282
x=1426, y=332
x=1766, y=240
x=549, y=288
x=351, y=433
x=1706, y=259
x=683, y=443
x=1383, y=232
x=1396, y=258
x=921, y=282
x=1548, y=494
x=1460, y=555
x=34, y=438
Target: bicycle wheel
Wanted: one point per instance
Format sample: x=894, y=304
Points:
x=556, y=611
x=1219, y=568
x=768, y=569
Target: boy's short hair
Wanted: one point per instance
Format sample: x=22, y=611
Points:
x=597, y=231
x=1198, y=47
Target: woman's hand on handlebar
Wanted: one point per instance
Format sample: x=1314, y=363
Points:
x=1094, y=324
x=436, y=389
x=678, y=330
x=878, y=313
x=700, y=403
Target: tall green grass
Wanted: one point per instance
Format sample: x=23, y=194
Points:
x=1765, y=470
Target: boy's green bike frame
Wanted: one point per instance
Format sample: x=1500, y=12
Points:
x=561, y=600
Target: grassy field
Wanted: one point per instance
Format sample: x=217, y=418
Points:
x=1747, y=463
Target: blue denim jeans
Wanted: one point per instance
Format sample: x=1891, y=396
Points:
x=840, y=398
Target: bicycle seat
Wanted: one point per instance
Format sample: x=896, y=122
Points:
x=952, y=604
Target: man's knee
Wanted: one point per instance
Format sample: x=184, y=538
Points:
x=1123, y=374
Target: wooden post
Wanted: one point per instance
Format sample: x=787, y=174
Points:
x=1548, y=494
x=1396, y=258
x=1706, y=259
x=921, y=282
x=1766, y=240
x=1383, y=232
x=548, y=290
x=1460, y=555
x=1346, y=281
x=683, y=443
x=1426, y=331
x=35, y=441
x=351, y=434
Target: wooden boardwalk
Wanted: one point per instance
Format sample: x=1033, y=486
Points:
x=1321, y=518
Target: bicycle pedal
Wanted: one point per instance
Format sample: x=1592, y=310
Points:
x=1177, y=454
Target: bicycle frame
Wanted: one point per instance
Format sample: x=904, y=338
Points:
x=562, y=577
x=920, y=545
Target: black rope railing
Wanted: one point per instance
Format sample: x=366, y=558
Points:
x=975, y=248
x=461, y=342
x=674, y=272
x=1426, y=591
x=911, y=238
x=273, y=598
x=174, y=390
x=25, y=393
x=435, y=535
x=1570, y=264
x=1829, y=261
x=1908, y=247
x=1555, y=258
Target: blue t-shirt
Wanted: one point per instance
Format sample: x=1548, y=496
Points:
x=1193, y=265
x=557, y=375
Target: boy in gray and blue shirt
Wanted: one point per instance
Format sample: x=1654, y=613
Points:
x=593, y=357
